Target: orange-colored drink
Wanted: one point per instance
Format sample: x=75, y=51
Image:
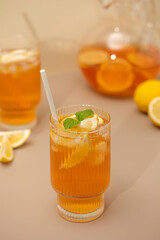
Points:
x=117, y=72
x=19, y=87
x=80, y=164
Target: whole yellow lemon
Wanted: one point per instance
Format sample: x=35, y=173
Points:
x=145, y=92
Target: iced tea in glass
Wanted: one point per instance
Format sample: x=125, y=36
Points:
x=80, y=163
x=19, y=82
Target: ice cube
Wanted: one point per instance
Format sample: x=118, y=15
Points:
x=101, y=147
x=32, y=59
x=106, y=135
x=99, y=158
x=65, y=141
x=14, y=56
x=33, y=53
x=3, y=69
x=19, y=52
x=36, y=62
x=54, y=148
x=12, y=68
x=25, y=66
x=100, y=120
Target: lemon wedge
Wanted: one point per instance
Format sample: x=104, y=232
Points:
x=100, y=120
x=16, y=138
x=90, y=123
x=154, y=111
x=77, y=157
x=6, y=151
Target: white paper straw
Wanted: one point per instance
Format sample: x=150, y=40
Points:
x=49, y=94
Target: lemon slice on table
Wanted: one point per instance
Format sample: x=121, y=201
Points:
x=92, y=56
x=115, y=75
x=77, y=157
x=16, y=138
x=6, y=151
x=154, y=111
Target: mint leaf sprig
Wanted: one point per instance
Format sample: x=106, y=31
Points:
x=80, y=116
x=70, y=123
x=84, y=114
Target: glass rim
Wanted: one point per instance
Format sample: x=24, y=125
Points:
x=19, y=34
x=34, y=42
x=79, y=132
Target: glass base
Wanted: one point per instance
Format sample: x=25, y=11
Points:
x=17, y=119
x=80, y=209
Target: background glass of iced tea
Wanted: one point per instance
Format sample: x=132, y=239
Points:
x=19, y=81
x=80, y=167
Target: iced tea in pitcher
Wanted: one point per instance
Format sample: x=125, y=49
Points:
x=117, y=72
x=122, y=50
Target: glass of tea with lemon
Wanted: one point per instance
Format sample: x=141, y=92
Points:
x=19, y=81
x=122, y=51
x=80, y=161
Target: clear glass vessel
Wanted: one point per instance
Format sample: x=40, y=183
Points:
x=19, y=81
x=80, y=166
x=122, y=50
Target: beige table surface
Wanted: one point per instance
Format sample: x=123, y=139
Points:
x=28, y=202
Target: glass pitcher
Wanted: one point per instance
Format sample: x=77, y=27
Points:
x=122, y=50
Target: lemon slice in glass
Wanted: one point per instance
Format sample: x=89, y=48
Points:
x=115, y=76
x=92, y=56
x=100, y=120
x=74, y=136
x=89, y=123
x=78, y=156
x=140, y=60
